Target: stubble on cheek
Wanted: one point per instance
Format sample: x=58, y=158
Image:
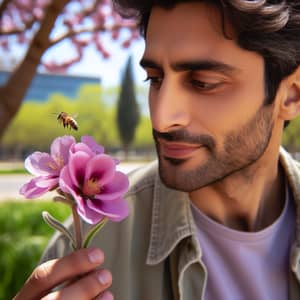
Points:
x=240, y=149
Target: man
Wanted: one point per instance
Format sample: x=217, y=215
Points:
x=219, y=219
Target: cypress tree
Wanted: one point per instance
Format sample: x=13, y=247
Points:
x=128, y=113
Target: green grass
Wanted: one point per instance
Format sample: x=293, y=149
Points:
x=13, y=171
x=23, y=237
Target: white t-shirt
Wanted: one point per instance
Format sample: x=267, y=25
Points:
x=247, y=265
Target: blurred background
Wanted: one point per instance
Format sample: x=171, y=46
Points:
x=79, y=57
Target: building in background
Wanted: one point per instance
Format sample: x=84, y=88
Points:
x=43, y=85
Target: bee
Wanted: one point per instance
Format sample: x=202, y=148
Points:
x=67, y=120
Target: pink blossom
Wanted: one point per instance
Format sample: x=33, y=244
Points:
x=88, y=145
x=46, y=167
x=84, y=174
x=95, y=184
x=89, y=141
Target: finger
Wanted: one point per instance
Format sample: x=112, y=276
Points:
x=54, y=272
x=86, y=288
x=105, y=296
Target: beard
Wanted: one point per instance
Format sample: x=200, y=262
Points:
x=241, y=148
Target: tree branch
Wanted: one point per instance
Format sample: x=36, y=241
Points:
x=88, y=11
x=3, y=7
x=27, y=25
x=72, y=33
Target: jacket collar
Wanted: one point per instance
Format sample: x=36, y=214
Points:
x=172, y=219
x=292, y=171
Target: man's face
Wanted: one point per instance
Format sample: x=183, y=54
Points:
x=206, y=97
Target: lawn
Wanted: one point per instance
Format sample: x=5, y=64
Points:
x=13, y=171
x=23, y=236
x=9, y=168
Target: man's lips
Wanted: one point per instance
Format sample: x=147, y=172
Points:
x=177, y=149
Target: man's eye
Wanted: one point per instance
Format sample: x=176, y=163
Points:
x=154, y=80
x=204, y=86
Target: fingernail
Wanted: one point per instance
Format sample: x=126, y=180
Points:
x=95, y=256
x=106, y=296
x=50, y=297
x=104, y=277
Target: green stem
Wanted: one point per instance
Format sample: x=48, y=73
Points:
x=77, y=227
x=63, y=200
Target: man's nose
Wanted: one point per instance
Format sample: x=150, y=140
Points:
x=169, y=107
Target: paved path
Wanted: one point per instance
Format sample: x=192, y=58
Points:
x=10, y=184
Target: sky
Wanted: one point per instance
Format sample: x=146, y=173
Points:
x=109, y=70
x=94, y=65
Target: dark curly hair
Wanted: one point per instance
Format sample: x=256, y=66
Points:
x=268, y=27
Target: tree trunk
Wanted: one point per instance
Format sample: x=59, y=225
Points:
x=15, y=88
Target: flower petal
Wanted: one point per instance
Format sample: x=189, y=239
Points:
x=41, y=163
x=87, y=214
x=116, y=188
x=32, y=189
x=117, y=161
x=60, y=149
x=89, y=141
x=77, y=167
x=101, y=167
x=65, y=182
x=81, y=147
x=45, y=182
x=115, y=210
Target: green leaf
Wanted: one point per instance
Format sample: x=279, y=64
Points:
x=92, y=232
x=54, y=223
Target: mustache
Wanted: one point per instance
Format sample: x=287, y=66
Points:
x=184, y=136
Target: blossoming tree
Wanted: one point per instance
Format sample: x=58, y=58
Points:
x=38, y=25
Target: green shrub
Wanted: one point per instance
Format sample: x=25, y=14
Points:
x=23, y=237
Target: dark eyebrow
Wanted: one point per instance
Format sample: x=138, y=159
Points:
x=148, y=63
x=205, y=65
x=192, y=65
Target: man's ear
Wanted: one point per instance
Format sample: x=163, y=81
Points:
x=290, y=96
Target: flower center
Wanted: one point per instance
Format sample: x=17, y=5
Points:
x=92, y=187
x=59, y=160
x=53, y=166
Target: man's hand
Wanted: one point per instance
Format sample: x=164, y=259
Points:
x=78, y=270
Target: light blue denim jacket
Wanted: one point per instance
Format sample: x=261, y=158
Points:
x=154, y=253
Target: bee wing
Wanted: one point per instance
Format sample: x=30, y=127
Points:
x=53, y=115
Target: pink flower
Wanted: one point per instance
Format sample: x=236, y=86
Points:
x=89, y=141
x=95, y=184
x=46, y=167
x=84, y=174
x=85, y=178
x=88, y=145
